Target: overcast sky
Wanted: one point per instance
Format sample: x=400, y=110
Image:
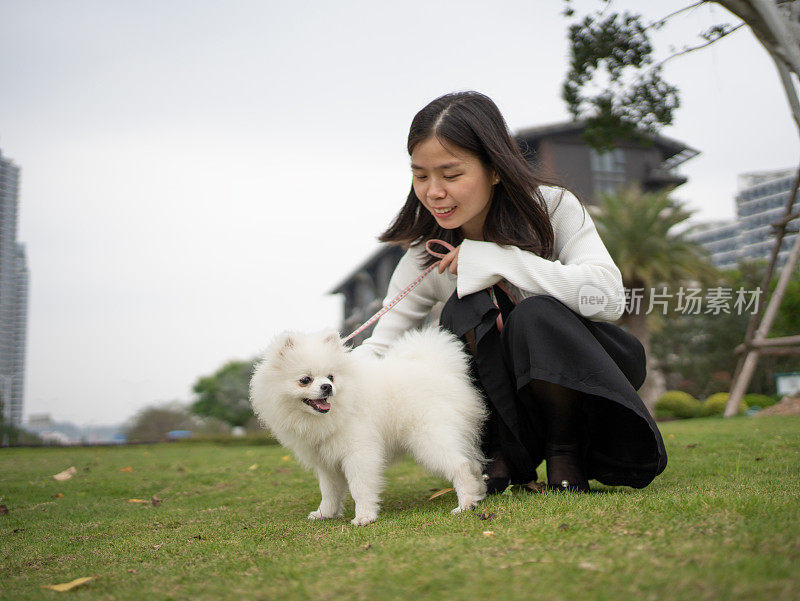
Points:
x=197, y=175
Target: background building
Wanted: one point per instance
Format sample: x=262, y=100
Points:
x=559, y=152
x=761, y=200
x=13, y=298
x=65, y=433
x=720, y=239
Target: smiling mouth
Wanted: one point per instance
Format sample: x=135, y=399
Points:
x=444, y=212
x=318, y=405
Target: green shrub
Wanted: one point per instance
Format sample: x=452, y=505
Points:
x=715, y=404
x=676, y=403
x=759, y=400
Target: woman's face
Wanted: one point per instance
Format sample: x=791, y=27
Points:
x=453, y=185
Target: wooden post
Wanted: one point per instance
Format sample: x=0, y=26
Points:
x=742, y=380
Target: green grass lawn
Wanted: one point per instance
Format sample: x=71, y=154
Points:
x=722, y=522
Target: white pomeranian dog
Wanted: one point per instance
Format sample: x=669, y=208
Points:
x=348, y=416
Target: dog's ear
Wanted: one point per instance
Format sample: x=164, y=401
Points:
x=285, y=344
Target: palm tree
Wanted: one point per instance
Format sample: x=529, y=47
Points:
x=640, y=231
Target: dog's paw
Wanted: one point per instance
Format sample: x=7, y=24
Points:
x=465, y=507
x=363, y=520
x=324, y=515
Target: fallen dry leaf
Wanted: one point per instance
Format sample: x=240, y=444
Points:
x=488, y=532
x=126, y=469
x=286, y=458
x=439, y=493
x=483, y=516
x=58, y=495
x=66, y=474
x=536, y=486
x=66, y=586
x=671, y=436
x=253, y=467
x=522, y=563
x=136, y=501
x=156, y=501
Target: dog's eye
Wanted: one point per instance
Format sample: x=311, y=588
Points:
x=330, y=377
x=305, y=380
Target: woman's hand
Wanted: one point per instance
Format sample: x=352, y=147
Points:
x=451, y=260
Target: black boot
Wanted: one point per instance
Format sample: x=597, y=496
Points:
x=562, y=409
x=564, y=469
x=497, y=474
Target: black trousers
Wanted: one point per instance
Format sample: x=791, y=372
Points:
x=543, y=339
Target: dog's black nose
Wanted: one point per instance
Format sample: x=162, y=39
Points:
x=326, y=389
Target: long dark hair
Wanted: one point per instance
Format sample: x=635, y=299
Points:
x=518, y=214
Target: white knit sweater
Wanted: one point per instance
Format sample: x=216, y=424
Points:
x=582, y=264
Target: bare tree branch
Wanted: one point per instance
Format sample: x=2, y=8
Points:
x=699, y=46
x=688, y=50
x=662, y=20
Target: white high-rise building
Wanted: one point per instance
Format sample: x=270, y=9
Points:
x=761, y=200
x=13, y=298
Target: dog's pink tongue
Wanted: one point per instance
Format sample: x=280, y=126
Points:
x=322, y=404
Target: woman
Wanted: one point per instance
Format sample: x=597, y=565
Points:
x=530, y=289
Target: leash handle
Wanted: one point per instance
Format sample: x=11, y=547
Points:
x=386, y=308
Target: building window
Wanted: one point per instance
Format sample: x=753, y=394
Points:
x=608, y=170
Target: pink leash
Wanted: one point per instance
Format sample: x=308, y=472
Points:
x=412, y=285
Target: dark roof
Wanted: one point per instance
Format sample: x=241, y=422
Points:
x=669, y=148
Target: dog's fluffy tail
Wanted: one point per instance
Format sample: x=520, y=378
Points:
x=433, y=346
x=438, y=357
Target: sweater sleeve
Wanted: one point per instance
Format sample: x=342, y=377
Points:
x=410, y=312
x=583, y=276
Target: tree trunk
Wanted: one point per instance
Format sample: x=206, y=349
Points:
x=778, y=30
